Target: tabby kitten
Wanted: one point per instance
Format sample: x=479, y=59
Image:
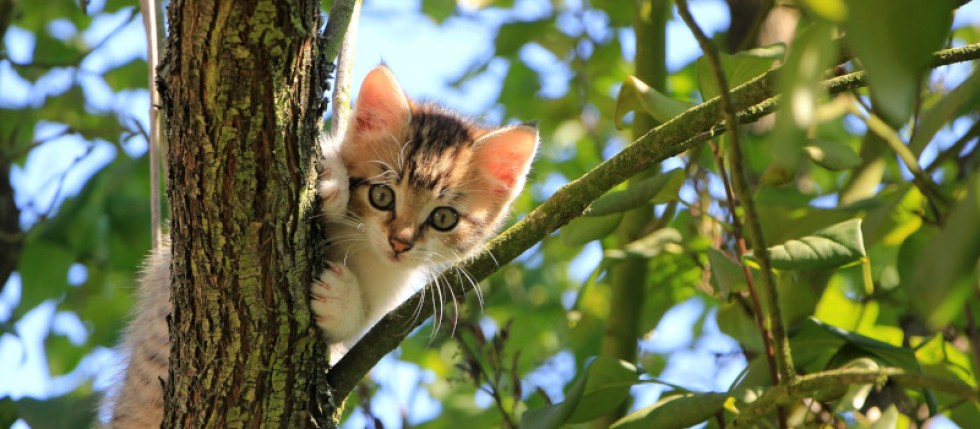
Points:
x=409, y=189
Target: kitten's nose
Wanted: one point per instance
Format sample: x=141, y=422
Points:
x=399, y=245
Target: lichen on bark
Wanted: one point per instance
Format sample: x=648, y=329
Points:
x=242, y=89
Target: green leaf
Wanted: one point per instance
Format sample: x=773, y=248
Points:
x=676, y=411
x=897, y=216
x=736, y=322
x=828, y=248
x=17, y=131
x=520, y=86
x=8, y=412
x=635, y=95
x=71, y=411
x=35, y=16
x=966, y=414
x=57, y=52
x=960, y=100
x=114, y=5
x=786, y=214
x=814, y=344
x=832, y=155
x=739, y=68
x=512, y=36
x=727, y=274
x=439, y=10
x=584, y=229
x=62, y=356
x=128, y=76
x=820, y=345
x=648, y=246
x=67, y=108
x=602, y=387
x=608, y=385
x=655, y=190
x=894, y=55
x=43, y=268
x=946, y=274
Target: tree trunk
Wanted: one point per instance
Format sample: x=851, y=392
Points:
x=242, y=86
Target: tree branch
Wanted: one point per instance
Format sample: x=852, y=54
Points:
x=337, y=25
x=804, y=386
x=753, y=99
x=345, y=66
x=155, y=138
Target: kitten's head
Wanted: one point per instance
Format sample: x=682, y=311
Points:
x=428, y=185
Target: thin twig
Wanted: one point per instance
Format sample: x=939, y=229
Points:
x=776, y=334
x=805, y=385
x=149, y=10
x=740, y=251
x=345, y=67
x=696, y=125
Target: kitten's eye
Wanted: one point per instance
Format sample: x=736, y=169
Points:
x=381, y=197
x=443, y=218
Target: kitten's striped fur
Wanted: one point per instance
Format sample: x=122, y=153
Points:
x=430, y=159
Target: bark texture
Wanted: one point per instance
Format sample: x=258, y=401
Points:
x=242, y=87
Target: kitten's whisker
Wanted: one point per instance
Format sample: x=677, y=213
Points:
x=387, y=166
x=407, y=325
x=418, y=308
x=432, y=298
x=436, y=315
x=382, y=174
x=473, y=283
x=441, y=305
x=452, y=333
x=495, y=262
x=401, y=155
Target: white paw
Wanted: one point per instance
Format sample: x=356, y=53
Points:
x=335, y=299
x=334, y=184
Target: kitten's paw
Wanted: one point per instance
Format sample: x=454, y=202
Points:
x=335, y=299
x=333, y=186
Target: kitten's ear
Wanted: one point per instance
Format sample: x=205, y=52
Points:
x=504, y=157
x=381, y=103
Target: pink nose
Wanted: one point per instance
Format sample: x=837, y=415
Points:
x=399, y=245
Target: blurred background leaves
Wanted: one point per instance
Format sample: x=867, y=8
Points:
x=898, y=288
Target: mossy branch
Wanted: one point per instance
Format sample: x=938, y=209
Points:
x=337, y=25
x=752, y=99
x=805, y=385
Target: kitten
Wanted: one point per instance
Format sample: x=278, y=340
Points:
x=413, y=189
x=407, y=190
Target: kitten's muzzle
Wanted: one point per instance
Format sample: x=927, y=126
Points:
x=400, y=245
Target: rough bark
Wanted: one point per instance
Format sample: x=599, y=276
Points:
x=242, y=86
